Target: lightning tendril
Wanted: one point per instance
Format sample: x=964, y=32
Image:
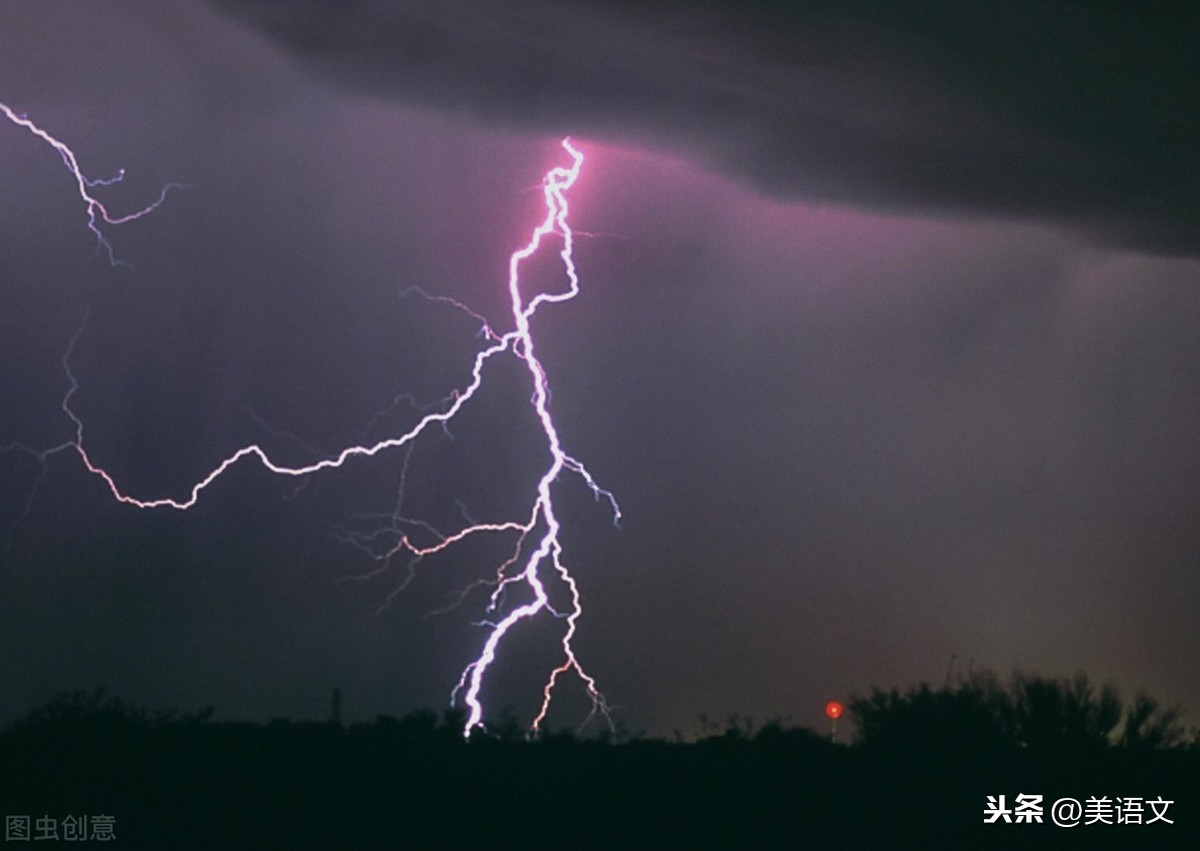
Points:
x=97, y=213
x=537, y=556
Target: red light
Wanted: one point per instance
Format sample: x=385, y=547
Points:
x=833, y=709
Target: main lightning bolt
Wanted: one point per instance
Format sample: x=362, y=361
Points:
x=537, y=555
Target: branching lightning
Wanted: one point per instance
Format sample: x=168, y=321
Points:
x=97, y=213
x=537, y=555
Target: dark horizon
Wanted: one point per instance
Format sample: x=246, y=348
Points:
x=968, y=764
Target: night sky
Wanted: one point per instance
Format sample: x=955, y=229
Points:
x=887, y=345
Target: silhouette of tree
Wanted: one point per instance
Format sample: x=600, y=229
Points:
x=1064, y=715
x=977, y=713
x=181, y=781
x=1149, y=726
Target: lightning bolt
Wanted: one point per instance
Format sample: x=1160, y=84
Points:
x=537, y=557
x=96, y=212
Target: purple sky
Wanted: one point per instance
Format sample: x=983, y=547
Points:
x=855, y=431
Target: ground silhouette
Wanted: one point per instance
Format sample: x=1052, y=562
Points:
x=918, y=775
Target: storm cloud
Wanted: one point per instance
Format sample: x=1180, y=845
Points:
x=1061, y=112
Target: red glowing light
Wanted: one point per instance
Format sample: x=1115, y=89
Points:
x=833, y=709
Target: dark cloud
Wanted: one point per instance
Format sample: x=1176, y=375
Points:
x=1073, y=112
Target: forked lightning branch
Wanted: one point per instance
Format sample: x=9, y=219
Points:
x=536, y=561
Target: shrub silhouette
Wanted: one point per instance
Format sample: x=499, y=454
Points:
x=183, y=780
x=1046, y=714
